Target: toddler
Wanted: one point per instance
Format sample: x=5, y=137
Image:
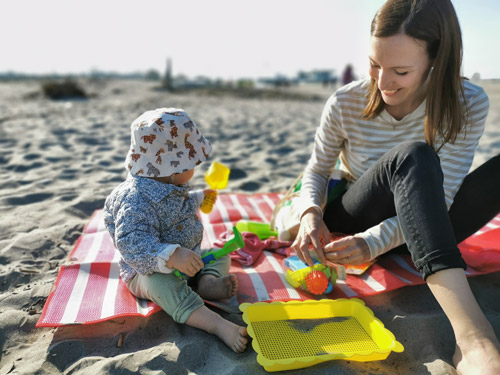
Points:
x=152, y=219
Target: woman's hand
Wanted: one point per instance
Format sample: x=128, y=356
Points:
x=312, y=231
x=186, y=261
x=348, y=250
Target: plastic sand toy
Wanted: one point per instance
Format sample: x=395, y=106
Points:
x=216, y=177
x=262, y=230
x=298, y=334
x=319, y=279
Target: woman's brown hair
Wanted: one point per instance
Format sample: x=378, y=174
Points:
x=435, y=23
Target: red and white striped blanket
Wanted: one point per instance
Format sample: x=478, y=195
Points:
x=88, y=289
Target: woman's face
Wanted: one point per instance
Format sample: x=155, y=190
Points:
x=400, y=66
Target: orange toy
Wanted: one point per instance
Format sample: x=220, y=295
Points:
x=318, y=279
x=316, y=282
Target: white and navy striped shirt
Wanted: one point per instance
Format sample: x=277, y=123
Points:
x=358, y=142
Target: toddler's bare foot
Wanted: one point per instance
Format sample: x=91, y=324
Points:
x=215, y=288
x=233, y=335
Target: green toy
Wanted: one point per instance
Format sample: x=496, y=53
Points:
x=230, y=246
x=262, y=230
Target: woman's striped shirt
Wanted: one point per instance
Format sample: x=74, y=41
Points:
x=358, y=142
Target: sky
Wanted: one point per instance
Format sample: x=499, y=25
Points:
x=226, y=39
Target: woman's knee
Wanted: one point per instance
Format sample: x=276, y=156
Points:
x=416, y=150
x=417, y=158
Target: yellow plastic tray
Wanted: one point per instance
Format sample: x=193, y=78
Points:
x=298, y=334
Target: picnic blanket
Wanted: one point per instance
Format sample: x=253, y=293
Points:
x=88, y=288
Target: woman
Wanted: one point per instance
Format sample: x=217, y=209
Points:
x=407, y=137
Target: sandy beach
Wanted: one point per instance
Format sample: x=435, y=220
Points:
x=60, y=159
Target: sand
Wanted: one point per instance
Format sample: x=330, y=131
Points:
x=60, y=159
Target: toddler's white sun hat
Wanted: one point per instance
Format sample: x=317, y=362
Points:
x=163, y=142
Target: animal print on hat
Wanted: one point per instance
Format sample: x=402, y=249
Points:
x=163, y=142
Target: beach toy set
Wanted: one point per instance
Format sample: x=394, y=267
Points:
x=298, y=334
x=318, y=279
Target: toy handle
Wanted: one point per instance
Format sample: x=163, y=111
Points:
x=208, y=202
x=209, y=258
x=178, y=273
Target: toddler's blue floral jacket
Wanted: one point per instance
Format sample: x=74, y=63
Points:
x=148, y=220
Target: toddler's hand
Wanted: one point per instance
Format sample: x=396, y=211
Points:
x=186, y=261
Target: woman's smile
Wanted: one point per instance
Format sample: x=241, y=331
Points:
x=390, y=93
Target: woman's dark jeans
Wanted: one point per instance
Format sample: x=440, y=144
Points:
x=408, y=182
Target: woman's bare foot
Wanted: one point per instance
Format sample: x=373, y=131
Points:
x=478, y=356
x=478, y=349
x=215, y=288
